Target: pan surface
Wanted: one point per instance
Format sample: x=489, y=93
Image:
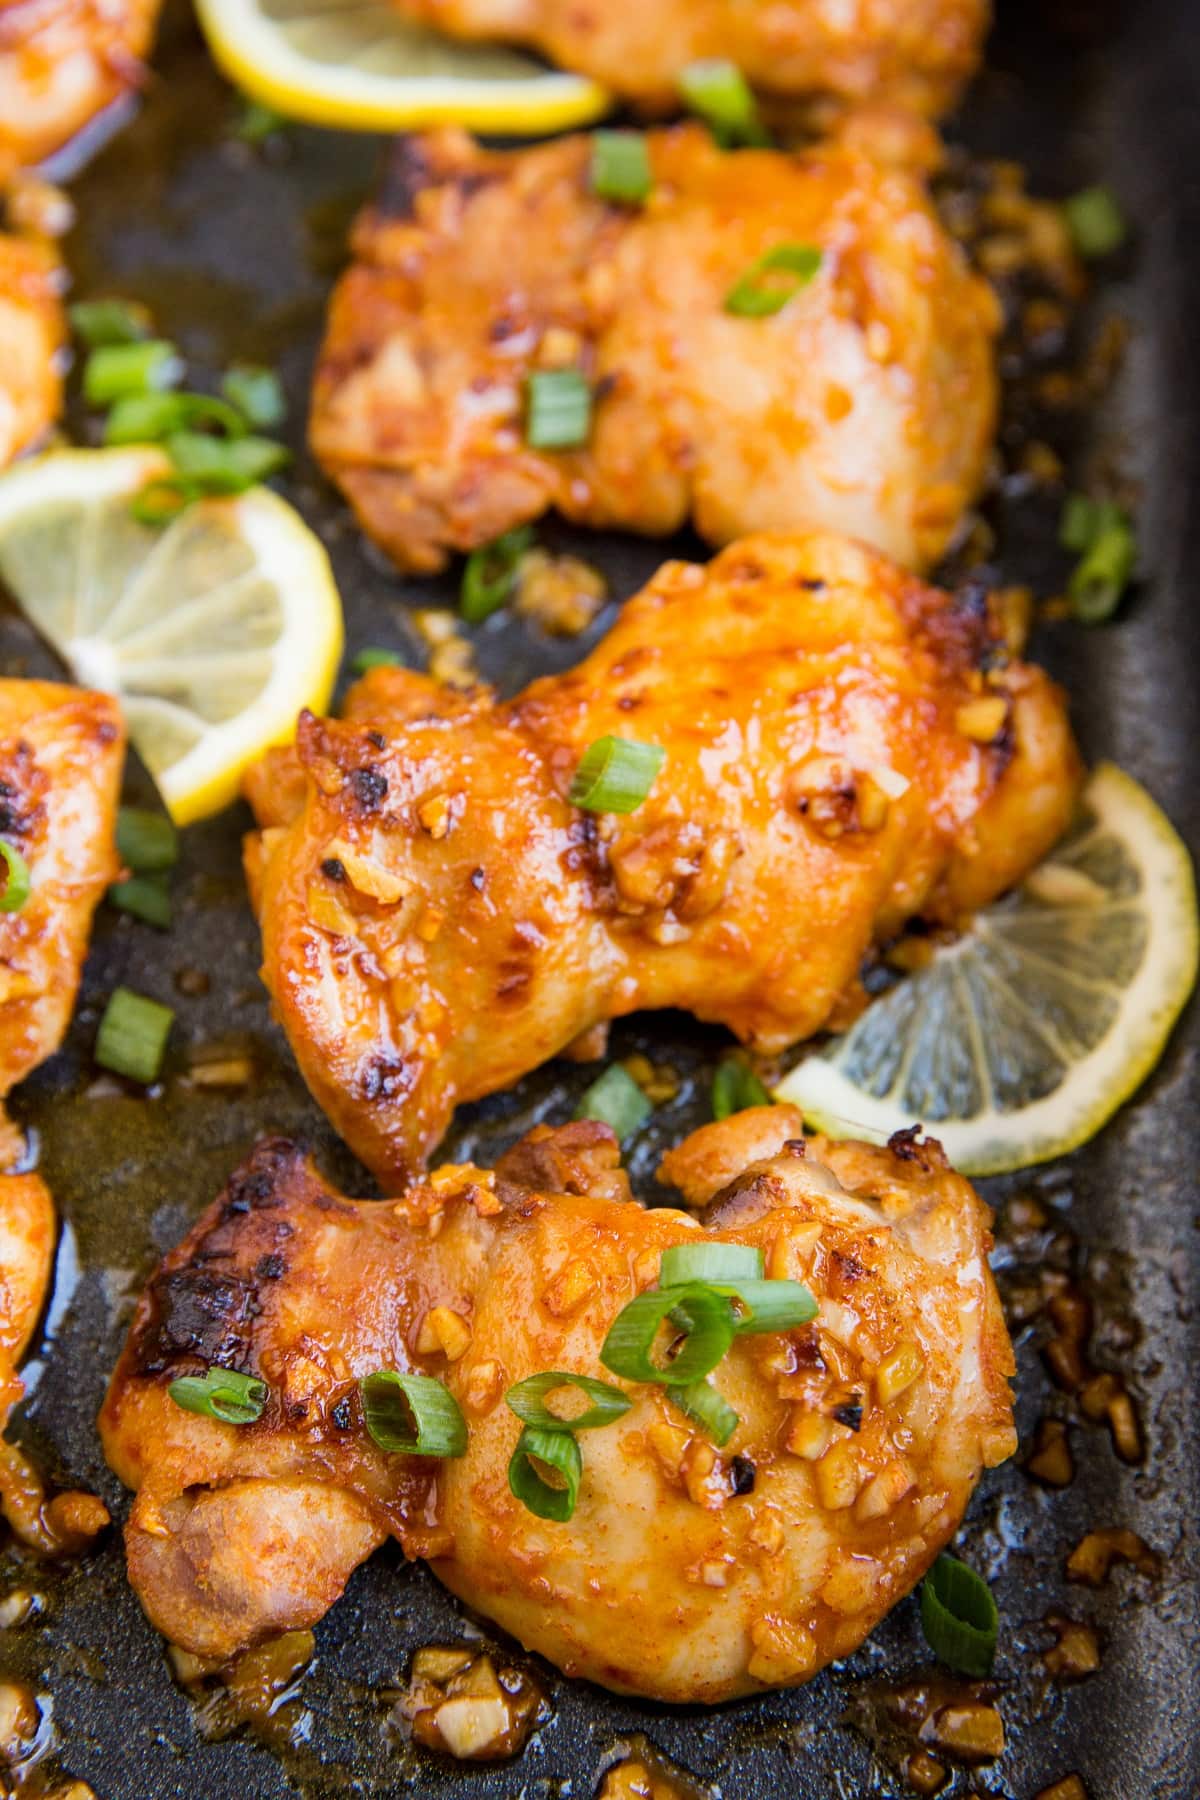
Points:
x=235, y=248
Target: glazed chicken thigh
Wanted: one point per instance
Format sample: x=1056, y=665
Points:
x=61, y=754
x=915, y=52
x=62, y=62
x=686, y=1572
x=865, y=405
x=32, y=331
x=845, y=748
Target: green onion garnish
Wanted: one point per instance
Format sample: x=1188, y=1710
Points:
x=162, y=500
x=959, y=1617
x=17, y=882
x=718, y=92
x=257, y=122
x=1095, y=221
x=144, y=897
x=736, y=1087
x=617, y=1100
x=770, y=1305
x=615, y=775
x=102, y=322
x=558, y=409
x=756, y=294
x=149, y=418
x=222, y=1394
x=490, y=574
x=700, y=1315
x=412, y=1415
x=132, y=1038
x=1104, y=533
x=701, y=1401
x=116, y=370
x=374, y=658
x=528, y=1400
x=709, y=1262
x=545, y=1472
x=146, y=840
x=257, y=394
x=225, y=466
x=620, y=168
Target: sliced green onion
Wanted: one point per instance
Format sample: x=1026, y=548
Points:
x=717, y=92
x=756, y=294
x=704, y=1317
x=558, y=409
x=225, y=466
x=490, y=574
x=146, y=840
x=620, y=168
x=163, y=499
x=528, y=1400
x=701, y=1401
x=617, y=1100
x=959, y=1617
x=17, y=883
x=222, y=1394
x=615, y=775
x=1103, y=572
x=1095, y=221
x=374, y=658
x=559, y=1456
x=103, y=322
x=132, y=1038
x=257, y=393
x=770, y=1305
x=736, y=1087
x=257, y=122
x=149, y=418
x=709, y=1262
x=412, y=1415
x=116, y=370
x=144, y=897
x=1081, y=521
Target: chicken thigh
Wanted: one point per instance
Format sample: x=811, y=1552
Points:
x=62, y=750
x=62, y=62
x=915, y=52
x=686, y=1572
x=32, y=331
x=866, y=404
x=844, y=748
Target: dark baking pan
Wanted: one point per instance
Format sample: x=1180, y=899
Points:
x=235, y=250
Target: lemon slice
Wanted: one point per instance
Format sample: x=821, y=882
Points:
x=357, y=64
x=1017, y=1043
x=214, y=631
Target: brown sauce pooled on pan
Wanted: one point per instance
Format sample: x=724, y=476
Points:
x=28, y=1770
x=464, y=1703
x=257, y=1691
x=644, y=1773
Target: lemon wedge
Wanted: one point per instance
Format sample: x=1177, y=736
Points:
x=215, y=630
x=359, y=65
x=1017, y=1043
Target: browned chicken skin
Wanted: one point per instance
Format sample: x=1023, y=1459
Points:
x=686, y=1573
x=917, y=52
x=438, y=919
x=61, y=754
x=61, y=63
x=32, y=331
x=865, y=406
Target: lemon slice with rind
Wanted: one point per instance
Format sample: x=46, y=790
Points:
x=1017, y=1043
x=214, y=630
x=359, y=65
